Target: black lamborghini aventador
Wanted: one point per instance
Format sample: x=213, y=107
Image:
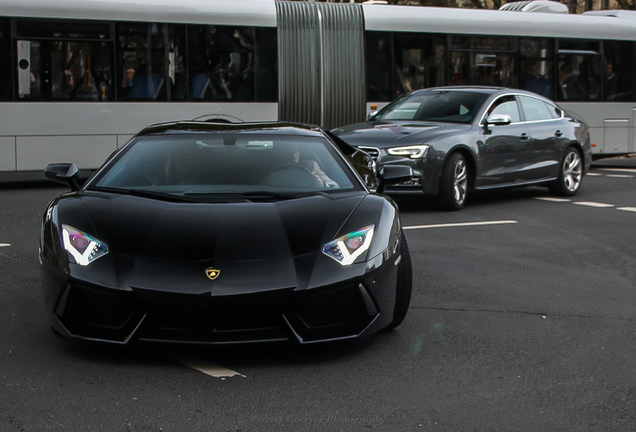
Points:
x=220, y=233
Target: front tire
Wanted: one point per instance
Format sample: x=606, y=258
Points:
x=570, y=174
x=454, y=183
x=404, y=285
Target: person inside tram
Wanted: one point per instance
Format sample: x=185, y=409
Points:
x=611, y=82
x=588, y=80
x=64, y=86
x=537, y=82
x=570, y=87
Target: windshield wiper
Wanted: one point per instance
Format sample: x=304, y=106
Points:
x=142, y=193
x=281, y=195
x=249, y=195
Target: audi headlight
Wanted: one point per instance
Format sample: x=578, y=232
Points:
x=83, y=248
x=349, y=247
x=413, y=152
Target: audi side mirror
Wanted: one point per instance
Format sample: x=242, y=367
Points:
x=498, y=120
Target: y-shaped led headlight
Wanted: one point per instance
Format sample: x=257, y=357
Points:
x=349, y=247
x=413, y=152
x=82, y=247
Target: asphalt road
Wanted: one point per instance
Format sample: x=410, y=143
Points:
x=526, y=323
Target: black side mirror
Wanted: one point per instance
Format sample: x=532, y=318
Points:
x=65, y=173
x=393, y=174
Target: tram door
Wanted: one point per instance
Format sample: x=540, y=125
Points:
x=321, y=63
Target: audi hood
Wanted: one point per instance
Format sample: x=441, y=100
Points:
x=384, y=134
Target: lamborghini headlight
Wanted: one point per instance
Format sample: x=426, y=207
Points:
x=349, y=247
x=413, y=152
x=83, y=248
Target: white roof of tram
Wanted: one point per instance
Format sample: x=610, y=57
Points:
x=604, y=25
x=495, y=22
x=228, y=12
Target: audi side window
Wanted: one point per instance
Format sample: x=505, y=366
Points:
x=534, y=109
x=507, y=107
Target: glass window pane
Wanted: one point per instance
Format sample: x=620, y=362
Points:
x=5, y=61
x=420, y=61
x=535, y=109
x=435, y=105
x=579, y=76
x=266, y=64
x=483, y=43
x=535, y=60
x=378, y=62
x=196, y=166
x=152, y=62
x=506, y=105
x=580, y=46
x=80, y=71
x=221, y=62
x=489, y=69
x=619, y=77
x=59, y=30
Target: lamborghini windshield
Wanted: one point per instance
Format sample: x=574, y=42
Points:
x=435, y=106
x=199, y=165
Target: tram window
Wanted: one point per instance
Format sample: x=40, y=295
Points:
x=221, y=63
x=378, y=51
x=483, y=43
x=483, y=61
x=64, y=70
x=65, y=30
x=580, y=71
x=265, y=65
x=5, y=60
x=420, y=61
x=63, y=60
x=152, y=61
x=483, y=68
x=80, y=71
x=536, y=63
x=619, y=79
x=571, y=45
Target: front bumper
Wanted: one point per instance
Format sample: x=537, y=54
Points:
x=426, y=171
x=345, y=309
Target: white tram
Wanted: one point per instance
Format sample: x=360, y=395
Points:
x=79, y=77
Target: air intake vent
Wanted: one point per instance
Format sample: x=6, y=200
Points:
x=371, y=151
x=536, y=6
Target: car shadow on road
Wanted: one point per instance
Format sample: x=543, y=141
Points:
x=418, y=203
